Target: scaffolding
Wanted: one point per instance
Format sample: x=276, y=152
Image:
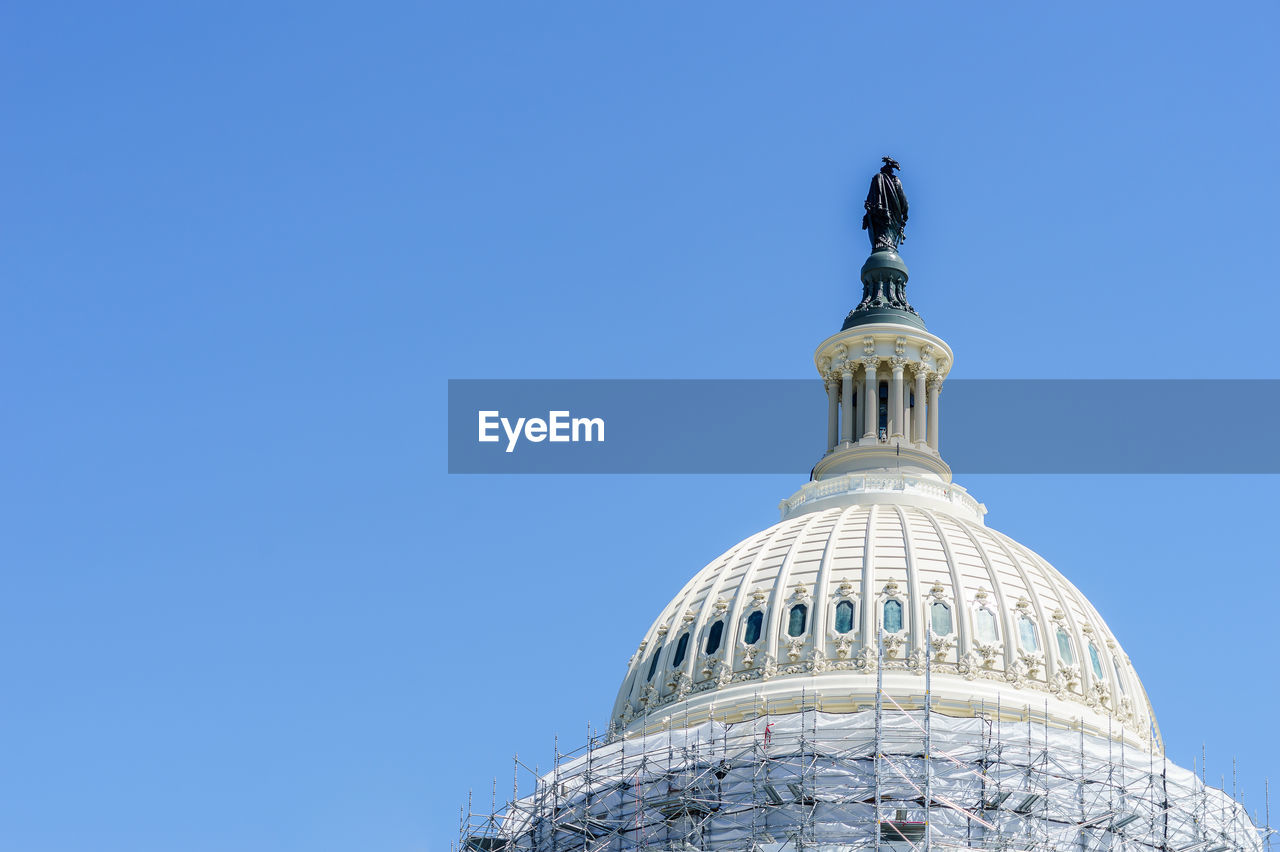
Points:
x=893, y=778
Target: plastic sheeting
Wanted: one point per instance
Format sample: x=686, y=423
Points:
x=811, y=780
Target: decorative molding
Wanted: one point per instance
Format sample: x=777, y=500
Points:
x=1033, y=661
x=989, y=651
x=970, y=664
x=819, y=663
x=942, y=646
x=709, y=664
x=1016, y=674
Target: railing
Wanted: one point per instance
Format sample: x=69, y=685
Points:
x=871, y=483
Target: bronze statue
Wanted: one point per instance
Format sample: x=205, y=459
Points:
x=884, y=275
x=886, y=216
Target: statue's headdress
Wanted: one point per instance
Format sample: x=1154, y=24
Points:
x=891, y=163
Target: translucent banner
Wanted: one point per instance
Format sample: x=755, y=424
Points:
x=780, y=426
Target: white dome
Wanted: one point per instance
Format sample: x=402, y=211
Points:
x=868, y=552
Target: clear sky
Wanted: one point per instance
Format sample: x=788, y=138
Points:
x=244, y=246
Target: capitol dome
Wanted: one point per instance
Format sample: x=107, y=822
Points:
x=795, y=612
x=879, y=670
x=883, y=571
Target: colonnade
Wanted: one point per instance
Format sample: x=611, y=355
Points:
x=911, y=402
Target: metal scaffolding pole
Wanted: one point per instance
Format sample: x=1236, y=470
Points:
x=928, y=733
x=799, y=779
x=875, y=822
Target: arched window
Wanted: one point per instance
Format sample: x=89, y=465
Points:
x=892, y=616
x=1115, y=664
x=713, y=638
x=882, y=418
x=1027, y=633
x=844, y=616
x=984, y=621
x=653, y=664
x=940, y=618
x=1065, y=650
x=1095, y=661
x=681, y=647
x=796, y=622
x=754, y=622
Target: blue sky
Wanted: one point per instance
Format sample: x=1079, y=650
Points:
x=245, y=245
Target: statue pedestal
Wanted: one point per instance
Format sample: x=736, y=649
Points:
x=884, y=296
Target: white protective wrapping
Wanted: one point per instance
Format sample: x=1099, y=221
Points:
x=810, y=780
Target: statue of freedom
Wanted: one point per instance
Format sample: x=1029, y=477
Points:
x=886, y=216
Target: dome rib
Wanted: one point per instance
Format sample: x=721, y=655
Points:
x=821, y=592
x=965, y=640
x=868, y=584
x=915, y=595
x=773, y=619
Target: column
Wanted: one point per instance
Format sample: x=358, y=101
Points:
x=871, y=397
x=897, y=424
x=833, y=411
x=921, y=373
x=846, y=398
x=935, y=387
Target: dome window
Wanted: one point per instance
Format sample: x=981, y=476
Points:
x=681, y=647
x=653, y=664
x=844, y=616
x=882, y=414
x=796, y=621
x=1065, y=650
x=1115, y=664
x=985, y=622
x=892, y=616
x=754, y=622
x=940, y=619
x=1095, y=661
x=1027, y=634
x=713, y=637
